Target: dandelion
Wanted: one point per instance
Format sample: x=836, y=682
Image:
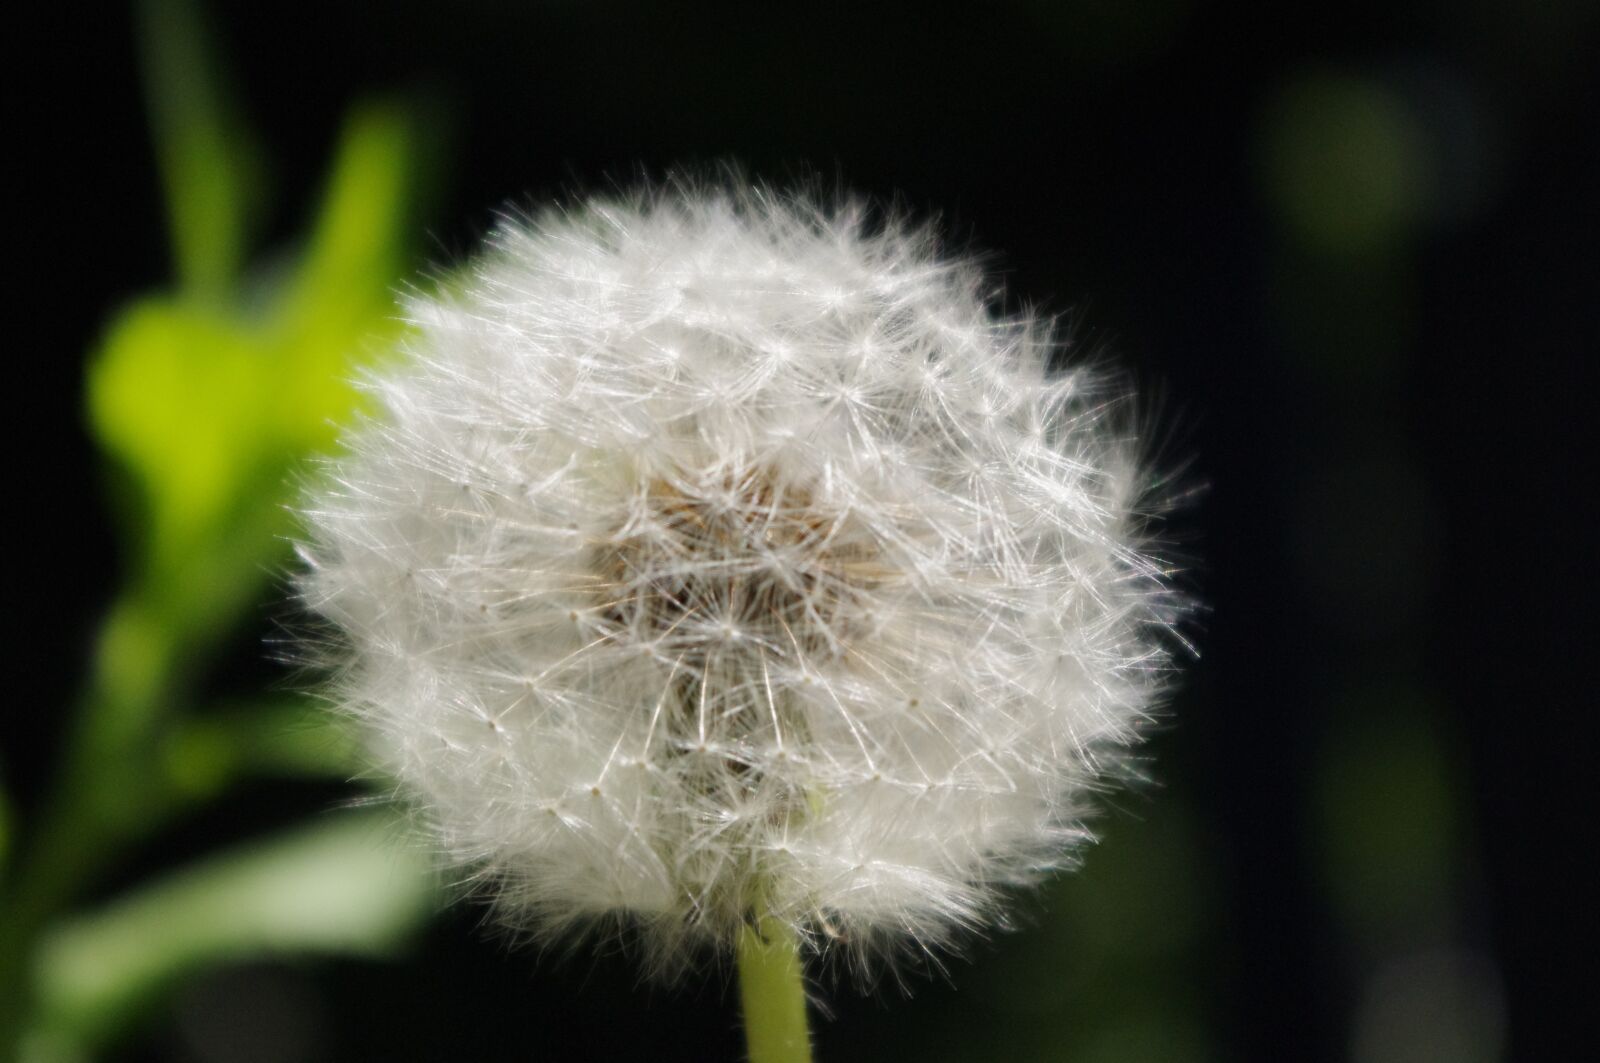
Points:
x=727, y=567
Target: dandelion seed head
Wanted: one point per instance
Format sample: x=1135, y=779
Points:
x=708, y=549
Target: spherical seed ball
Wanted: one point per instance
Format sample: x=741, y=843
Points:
x=709, y=550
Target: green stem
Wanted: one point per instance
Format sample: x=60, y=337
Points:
x=105, y=794
x=773, y=992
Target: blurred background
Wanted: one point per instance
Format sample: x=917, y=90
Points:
x=1349, y=256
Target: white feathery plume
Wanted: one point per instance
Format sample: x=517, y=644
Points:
x=709, y=550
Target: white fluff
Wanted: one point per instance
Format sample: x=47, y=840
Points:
x=708, y=550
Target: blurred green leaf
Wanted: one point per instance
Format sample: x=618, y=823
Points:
x=1116, y=927
x=292, y=738
x=209, y=164
x=340, y=305
x=1386, y=802
x=5, y=832
x=207, y=398
x=209, y=405
x=345, y=886
x=1344, y=164
x=1113, y=968
x=299, y=738
x=175, y=393
x=1162, y=1031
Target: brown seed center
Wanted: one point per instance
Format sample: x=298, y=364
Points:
x=742, y=564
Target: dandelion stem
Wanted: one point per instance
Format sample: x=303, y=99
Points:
x=773, y=993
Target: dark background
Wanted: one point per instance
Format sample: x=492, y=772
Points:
x=1350, y=254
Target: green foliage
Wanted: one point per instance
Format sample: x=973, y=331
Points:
x=339, y=886
x=1389, y=824
x=210, y=166
x=209, y=399
x=1342, y=165
x=1114, y=968
x=209, y=404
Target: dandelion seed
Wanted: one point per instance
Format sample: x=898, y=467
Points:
x=709, y=548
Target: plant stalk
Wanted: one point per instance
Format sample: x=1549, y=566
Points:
x=772, y=992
